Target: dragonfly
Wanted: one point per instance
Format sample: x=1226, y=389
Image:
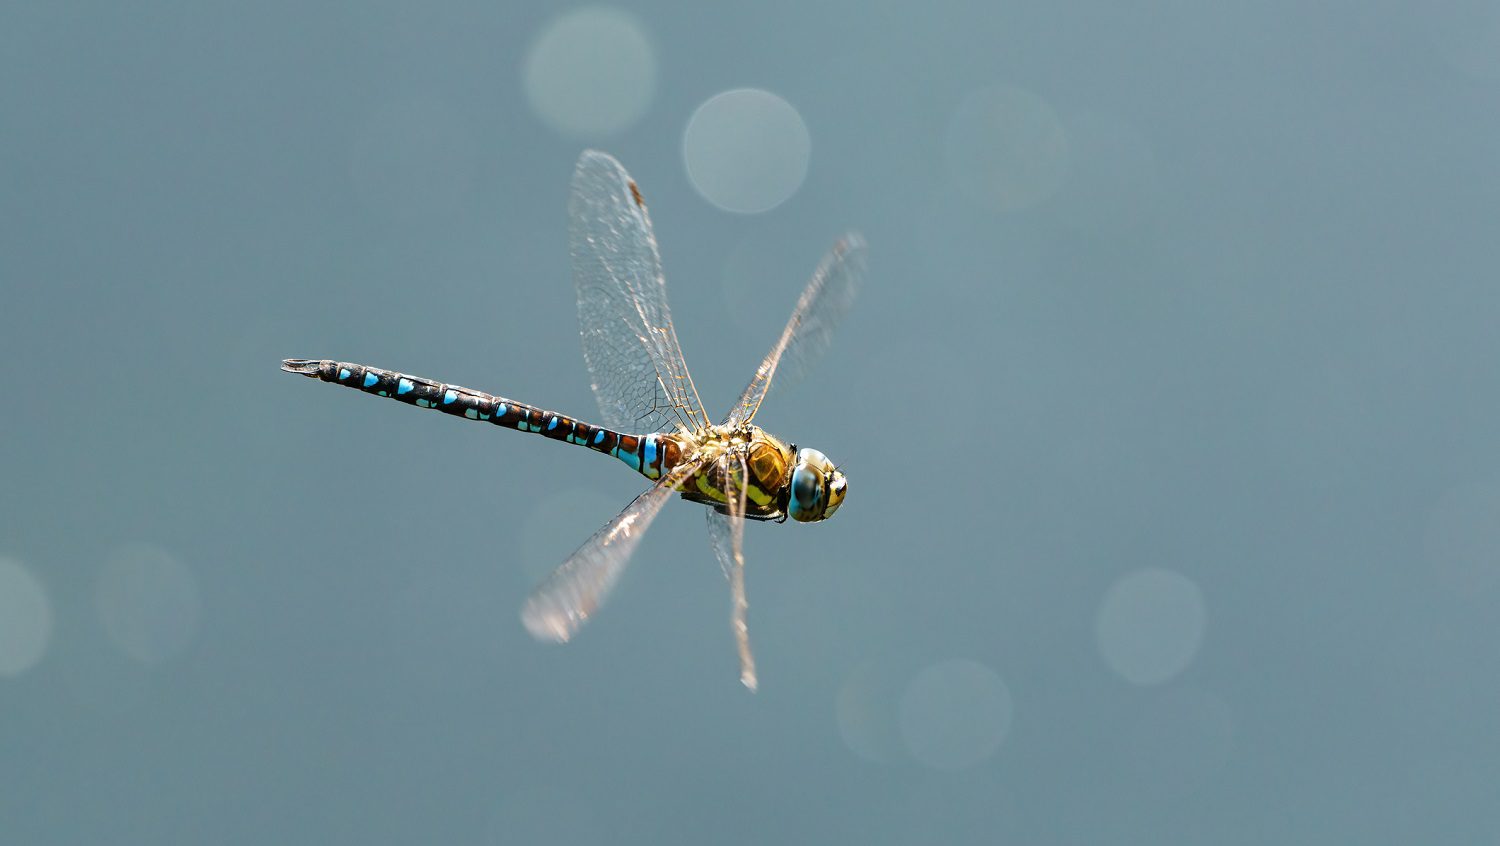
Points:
x=652, y=417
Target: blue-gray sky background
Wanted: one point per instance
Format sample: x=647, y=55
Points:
x=1169, y=409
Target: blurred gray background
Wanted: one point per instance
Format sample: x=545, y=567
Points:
x=1169, y=410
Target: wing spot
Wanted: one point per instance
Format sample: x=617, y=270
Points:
x=635, y=194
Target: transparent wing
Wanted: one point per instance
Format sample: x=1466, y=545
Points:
x=727, y=534
x=560, y=606
x=808, y=333
x=636, y=366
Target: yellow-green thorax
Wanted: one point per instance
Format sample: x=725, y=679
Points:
x=767, y=461
x=779, y=481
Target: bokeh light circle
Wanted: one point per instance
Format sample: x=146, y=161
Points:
x=149, y=603
x=25, y=618
x=591, y=72
x=1150, y=625
x=1006, y=148
x=746, y=150
x=955, y=714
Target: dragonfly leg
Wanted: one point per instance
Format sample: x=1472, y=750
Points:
x=736, y=493
x=726, y=531
x=741, y=626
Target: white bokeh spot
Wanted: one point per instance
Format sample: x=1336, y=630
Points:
x=955, y=714
x=1150, y=625
x=746, y=150
x=148, y=602
x=1006, y=148
x=25, y=618
x=591, y=72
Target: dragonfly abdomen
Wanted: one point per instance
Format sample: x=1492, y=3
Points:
x=648, y=455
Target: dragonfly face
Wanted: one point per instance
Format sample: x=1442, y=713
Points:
x=817, y=488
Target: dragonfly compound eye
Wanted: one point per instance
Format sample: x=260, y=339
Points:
x=806, y=503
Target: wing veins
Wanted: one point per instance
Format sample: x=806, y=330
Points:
x=575, y=591
x=809, y=330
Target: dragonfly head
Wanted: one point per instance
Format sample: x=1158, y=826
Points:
x=817, y=488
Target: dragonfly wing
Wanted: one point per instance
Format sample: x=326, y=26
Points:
x=559, y=606
x=808, y=333
x=636, y=366
x=727, y=534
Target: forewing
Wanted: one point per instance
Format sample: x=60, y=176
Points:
x=809, y=332
x=727, y=534
x=636, y=366
x=559, y=606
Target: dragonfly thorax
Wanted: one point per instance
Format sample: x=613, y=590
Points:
x=779, y=480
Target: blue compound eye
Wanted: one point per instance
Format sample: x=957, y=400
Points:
x=805, y=487
x=807, y=493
